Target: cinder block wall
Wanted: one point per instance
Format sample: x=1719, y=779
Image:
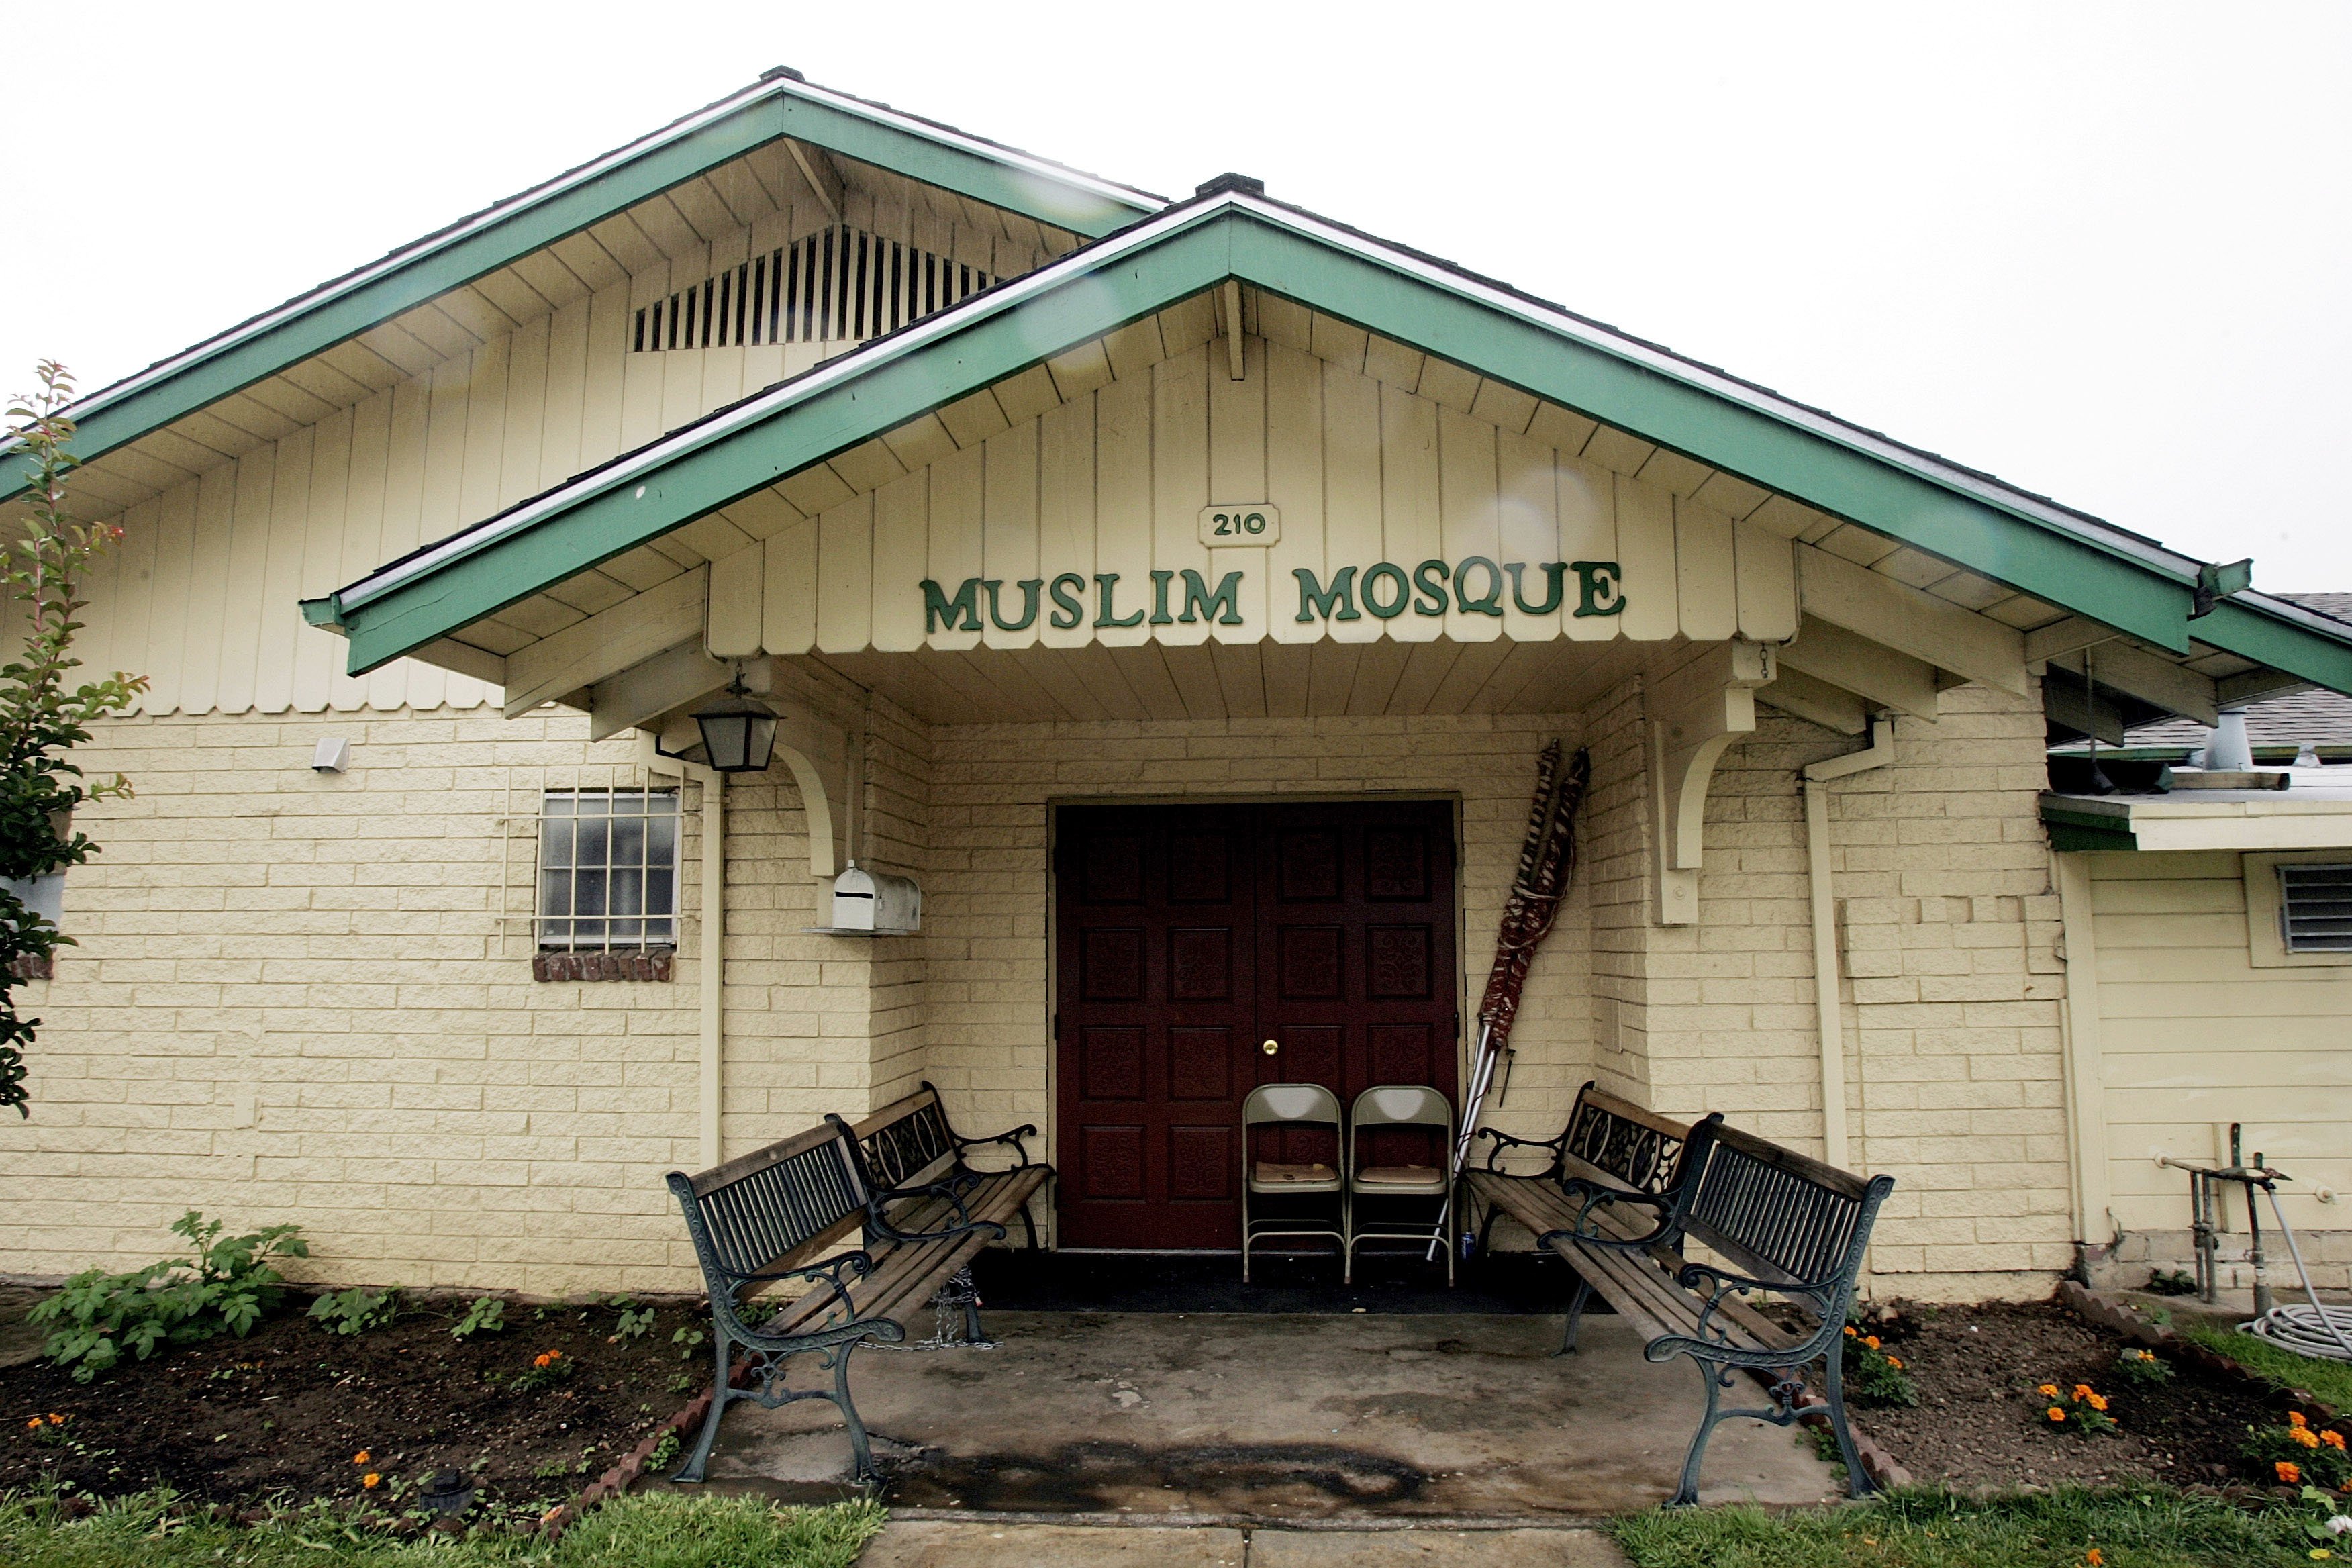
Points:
x=329, y=951
x=1951, y=981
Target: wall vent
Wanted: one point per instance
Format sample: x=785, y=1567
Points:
x=2316, y=907
x=837, y=285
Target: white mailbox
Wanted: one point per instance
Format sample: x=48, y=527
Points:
x=875, y=901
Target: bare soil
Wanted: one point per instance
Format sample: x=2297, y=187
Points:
x=283, y=1413
x=1979, y=1422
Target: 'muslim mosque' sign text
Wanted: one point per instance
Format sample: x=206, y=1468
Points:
x=1476, y=584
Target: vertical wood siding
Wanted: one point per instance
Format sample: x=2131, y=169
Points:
x=203, y=595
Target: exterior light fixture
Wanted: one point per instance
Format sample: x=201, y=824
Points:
x=739, y=731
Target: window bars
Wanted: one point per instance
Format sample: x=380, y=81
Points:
x=604, y=868
x=837, y=285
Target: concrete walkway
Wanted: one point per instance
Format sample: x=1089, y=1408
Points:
x=930, y=1544
x=1232, y=1420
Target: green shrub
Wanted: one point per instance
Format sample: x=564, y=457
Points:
x=223, y=1286
x=355, y=1312
x=487, y=1315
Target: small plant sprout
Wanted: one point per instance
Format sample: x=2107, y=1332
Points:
x=2144, y=1367
x=547, y=1368
x=635, y=1323
x=356, y=1310
x=486, y=1315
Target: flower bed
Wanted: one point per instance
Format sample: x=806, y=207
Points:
x=528, y=1415
x=1990, y=1376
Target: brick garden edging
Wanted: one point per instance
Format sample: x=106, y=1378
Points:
x=2109, y=1313
x=631, y=1466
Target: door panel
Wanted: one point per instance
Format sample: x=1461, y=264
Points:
x=1187, y=935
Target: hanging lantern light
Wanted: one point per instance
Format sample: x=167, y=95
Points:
x=739, y=731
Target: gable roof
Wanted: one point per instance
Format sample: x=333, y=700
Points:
x=2008, y=535
x=779, y=104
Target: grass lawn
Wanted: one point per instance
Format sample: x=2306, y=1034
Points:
x=2329, y=1382
x=1926, y=1528
x=656, y=1531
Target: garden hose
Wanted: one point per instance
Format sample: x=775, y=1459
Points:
x=2312, y=1330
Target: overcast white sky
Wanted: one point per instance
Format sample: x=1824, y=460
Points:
x=2099, y=250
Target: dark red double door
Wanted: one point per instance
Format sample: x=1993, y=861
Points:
x=1190, y=936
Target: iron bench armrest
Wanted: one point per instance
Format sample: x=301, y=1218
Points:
x=877, y=1219
x=1708, y=1341
x=1557, y=1144
x=1013, y=1138
x=727, y=1303
x=1599, y=1197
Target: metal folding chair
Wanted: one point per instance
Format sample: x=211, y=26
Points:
x=1393, y=1186
x=1289, y=1105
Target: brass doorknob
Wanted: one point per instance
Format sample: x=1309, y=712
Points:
x=1270, y=1047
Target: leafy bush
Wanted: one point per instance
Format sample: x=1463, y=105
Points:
x=2178, y=1282
x=223, y=1287
x=2294, y=1454
x=487, y=1315
x=356, y=1310
x=634, y=1324
x=2143, y=1367
x=2080, y=1409
x=1875, y=1377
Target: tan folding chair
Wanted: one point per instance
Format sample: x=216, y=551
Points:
x=1289, y=1105
x=1399, y=1105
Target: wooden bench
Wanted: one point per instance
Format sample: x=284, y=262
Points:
x=899, y=1179
x=1609, y=1141
x=1795, y=1226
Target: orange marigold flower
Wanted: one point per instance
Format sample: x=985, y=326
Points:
x=2304, y=1436
x=55, y=1420
x=1851, y=1332
x=370, y=1480
x=2333, y=1439
x=35, y=1424
x=2048, y=1391
x=2082, y=1391
x=543, y=1359
x=1870, y=1340
x=1895, y=1361
x=2288, y=1472
x=2056, y=1413
x=2295, y=1418
x=2096, y=1402
x=361, y=1457
x=2093, y=1558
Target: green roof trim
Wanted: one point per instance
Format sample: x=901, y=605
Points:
x=2246, y=627
x=2072, y=827
x=2126, y=584
x=778, y=107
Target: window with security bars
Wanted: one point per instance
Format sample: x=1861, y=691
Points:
x=837, y=285
x=2316, y=907
x=607, y=869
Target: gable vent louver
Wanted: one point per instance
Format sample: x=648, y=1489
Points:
x=837, y=285
x=2316, y=907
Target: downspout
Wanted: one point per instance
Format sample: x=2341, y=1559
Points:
x=712, y=1075
x=1817, y=776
